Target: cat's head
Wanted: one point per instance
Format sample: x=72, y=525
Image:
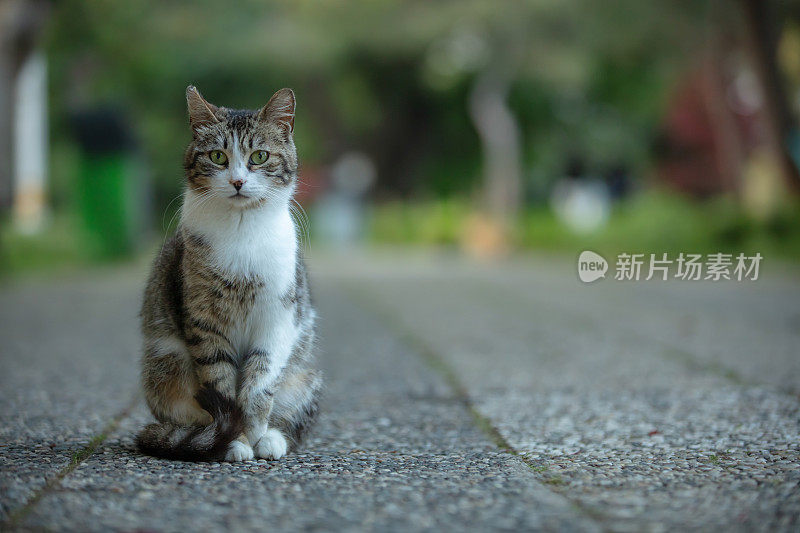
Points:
x=240, y=158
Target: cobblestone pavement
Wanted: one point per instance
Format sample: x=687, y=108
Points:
x=459, y=396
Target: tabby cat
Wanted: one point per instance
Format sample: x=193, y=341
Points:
x=227, y=318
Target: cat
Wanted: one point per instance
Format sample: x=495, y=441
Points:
x=227, y=318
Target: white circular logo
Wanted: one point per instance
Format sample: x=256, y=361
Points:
x=591, y=266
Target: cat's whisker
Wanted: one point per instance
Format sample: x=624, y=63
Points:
x=175, y=214
x=304, y=221
x=164, y=215
x=201, y=200
x=301, y=235
x=307, y=184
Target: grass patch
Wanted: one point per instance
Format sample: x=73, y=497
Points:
x=659, y=222
x=55, y=248
x=60, y=247
x=80, y=455
x=652, y=222
x=426, y=223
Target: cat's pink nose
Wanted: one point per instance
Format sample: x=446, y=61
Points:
x=237, y=184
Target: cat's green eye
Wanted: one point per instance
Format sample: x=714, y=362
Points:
x=218, y=157
x=259, y=157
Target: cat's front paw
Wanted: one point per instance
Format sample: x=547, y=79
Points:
x=271, y=445
x=239, y=451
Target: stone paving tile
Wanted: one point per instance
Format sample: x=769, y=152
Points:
x=355, y=490
x=719, y=325
x=69, y=358
x=641, y=403
x=620, y=424
x=394, y=450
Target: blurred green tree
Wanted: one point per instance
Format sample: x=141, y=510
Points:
x=393, y=79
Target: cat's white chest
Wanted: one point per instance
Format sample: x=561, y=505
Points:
x=260, y=249
x=257, y=247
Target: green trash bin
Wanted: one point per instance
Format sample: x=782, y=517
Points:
x=107, y=199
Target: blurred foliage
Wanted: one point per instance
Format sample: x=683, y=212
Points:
x=55, y=249
x=654, y=222
x=427, y=223
x=390, y=78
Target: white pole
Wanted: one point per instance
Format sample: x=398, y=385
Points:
x=30, y=144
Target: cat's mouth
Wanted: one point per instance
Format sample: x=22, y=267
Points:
x=238, y=196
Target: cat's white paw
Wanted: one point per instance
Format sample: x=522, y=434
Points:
x=271, y=445
x=239, y=451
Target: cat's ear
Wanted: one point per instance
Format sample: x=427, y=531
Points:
x=280, y=110
x=201, y=112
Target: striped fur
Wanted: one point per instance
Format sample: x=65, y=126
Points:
x=227, y=318
x=196, y=443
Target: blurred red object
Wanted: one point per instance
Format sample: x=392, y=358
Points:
x=311, y=184
x=706, y=133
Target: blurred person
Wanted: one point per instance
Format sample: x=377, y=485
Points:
x=341, y=212
x=582, y=202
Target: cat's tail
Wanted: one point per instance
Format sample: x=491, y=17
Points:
x=196, y=443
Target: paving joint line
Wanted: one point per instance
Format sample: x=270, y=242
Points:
x=437, y=363
x=16, y=516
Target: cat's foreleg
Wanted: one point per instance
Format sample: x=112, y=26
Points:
x=215, y=366
x=260, y=373
x=213, y=359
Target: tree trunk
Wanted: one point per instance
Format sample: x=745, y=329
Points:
x=500, y=142
x=778, y=120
